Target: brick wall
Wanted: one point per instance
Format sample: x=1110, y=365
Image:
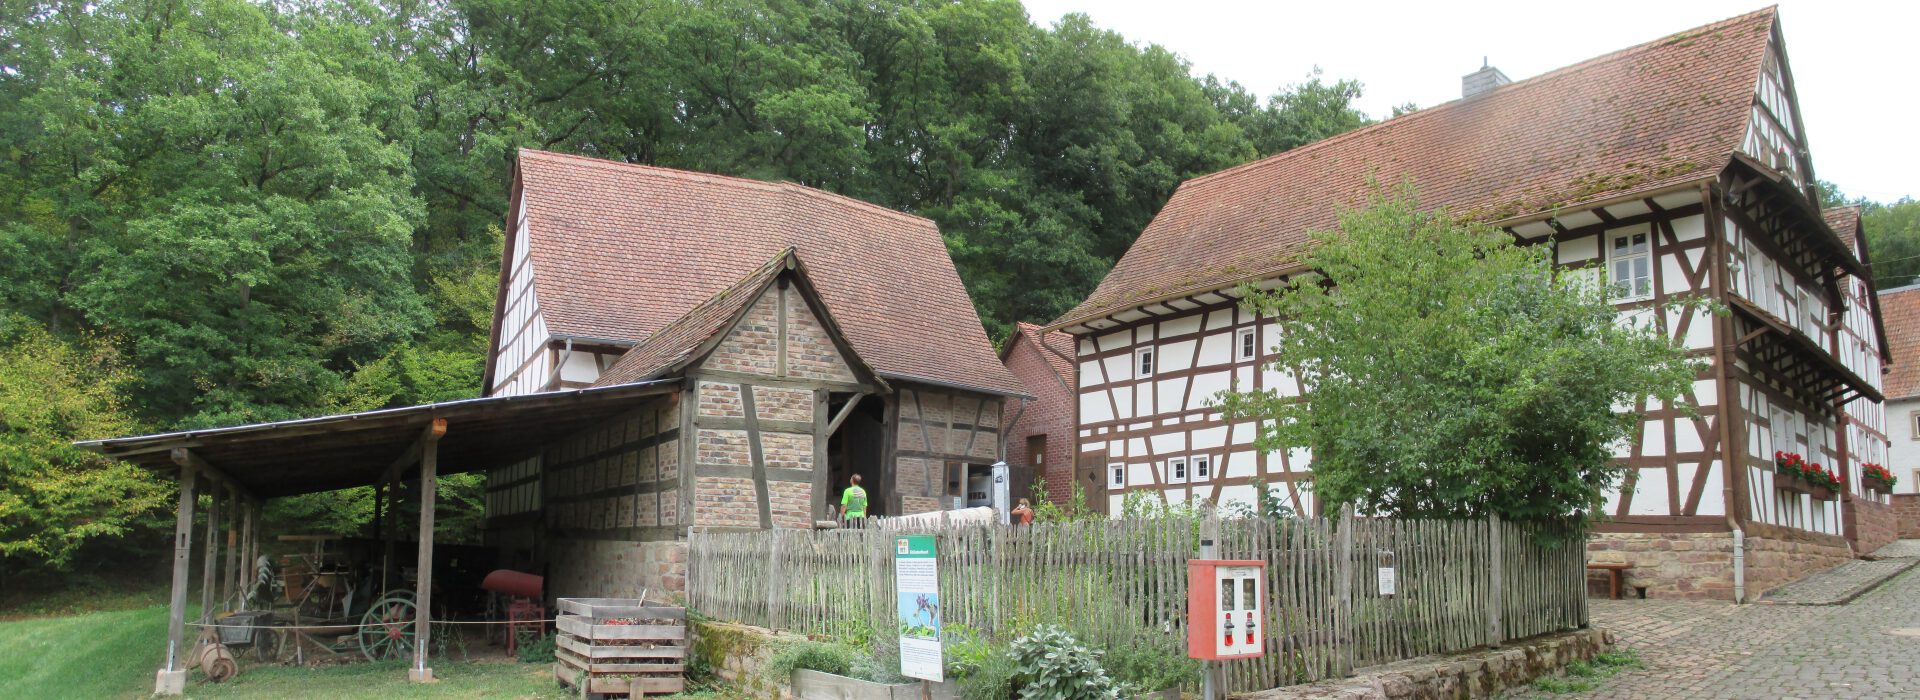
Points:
x=1906, y=512
x=1050, y=413
x=750, y=347
x=725, y=502
x=811, y=353
x=935, y=428
x=1875, y=525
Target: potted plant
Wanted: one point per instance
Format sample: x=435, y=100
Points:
x=1877, y=478
x=1794, y=473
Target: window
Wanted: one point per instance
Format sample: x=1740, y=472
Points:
x=1117, y=476
x=1248, y=343
x=1143, y=362
x=1202, y=466
x=1630, y=266
x=1915, y=416
x=1177, y=470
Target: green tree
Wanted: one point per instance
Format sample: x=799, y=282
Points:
x=1453, y=373
x=57, y=499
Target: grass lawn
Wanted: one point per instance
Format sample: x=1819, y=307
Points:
x=113, y=654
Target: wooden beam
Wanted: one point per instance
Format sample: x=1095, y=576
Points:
x=821, y=432
x=423, y=580
x=762, y=498
x=435, y=429
x=841, y=417
x=184, y=457
x=211, y=557
x=172, y=678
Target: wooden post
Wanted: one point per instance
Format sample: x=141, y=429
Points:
x=1343, y=575
x=1212, y=675
x=1496, y=581
x=210, y=559
x=776, y=582
x=172, y=678
x=229, y=567
x=423, y=583
x=244, y=573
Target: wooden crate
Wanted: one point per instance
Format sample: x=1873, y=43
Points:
x=618, y=646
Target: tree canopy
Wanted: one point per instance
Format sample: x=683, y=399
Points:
x=1451, y=372
x=278, y=209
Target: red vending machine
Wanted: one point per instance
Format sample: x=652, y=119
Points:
x=1226, y=608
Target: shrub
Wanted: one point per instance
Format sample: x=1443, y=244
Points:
x=837, y=659
x=1144, y=667
x=537, y=651
x=1051, y=665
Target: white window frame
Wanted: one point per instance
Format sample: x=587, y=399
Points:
x=1117, y=476
x=1914, y=422
x=1616, y=291
x=1246, y=344
x=1176, y=470
x=1144, y=362
x=1201, y=467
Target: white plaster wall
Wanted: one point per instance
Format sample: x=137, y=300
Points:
x=1903, y=454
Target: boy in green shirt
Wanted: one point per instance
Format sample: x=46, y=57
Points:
x=853, y=501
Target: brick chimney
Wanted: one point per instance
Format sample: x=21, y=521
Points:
x=1487, y=78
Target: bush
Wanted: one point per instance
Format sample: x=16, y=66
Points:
x=837, y=659
x=1143, y=667
x=982, y=669
x=538, y=651
x=1051, y=664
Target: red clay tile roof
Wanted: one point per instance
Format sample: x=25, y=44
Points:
x=1900, y=312
x=1056, y=347
x=679, y=339
x=619, y=251
x=1846, y=222
x=1635, y=121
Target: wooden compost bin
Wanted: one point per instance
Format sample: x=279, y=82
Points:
x=617, y=646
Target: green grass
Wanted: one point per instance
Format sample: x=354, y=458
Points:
x=113, y=654
x=1582, y=676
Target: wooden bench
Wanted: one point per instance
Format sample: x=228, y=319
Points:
x=1615, y=571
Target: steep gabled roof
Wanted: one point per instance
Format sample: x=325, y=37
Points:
x=692, y=336
x=1652, y=117
x=620, y=251
x=1900, y=315
x=1845, y=221
x=1055, y=347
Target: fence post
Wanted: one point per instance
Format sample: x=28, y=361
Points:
x=776, y=581
x=1343, y=573
x=1496, y=588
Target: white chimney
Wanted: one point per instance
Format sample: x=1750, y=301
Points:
x=1487, y=78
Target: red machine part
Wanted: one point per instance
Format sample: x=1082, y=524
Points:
x=519, y=584
x=525, y=614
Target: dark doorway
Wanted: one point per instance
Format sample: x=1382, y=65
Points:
x=858, y=447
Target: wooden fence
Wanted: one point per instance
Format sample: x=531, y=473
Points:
x=1456, y=585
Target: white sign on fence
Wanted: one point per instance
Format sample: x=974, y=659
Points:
x=916, y=576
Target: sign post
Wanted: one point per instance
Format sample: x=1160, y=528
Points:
x=916, y=578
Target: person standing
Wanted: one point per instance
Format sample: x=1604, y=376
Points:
x=853, y=501
x=1023, y=513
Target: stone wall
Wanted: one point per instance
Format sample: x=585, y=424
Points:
x=1484, y=673
x=1776, y=558
x=616, y=569
x=1906, y=511
x=1697, y=565
x=737, y=653
x=1875, y=525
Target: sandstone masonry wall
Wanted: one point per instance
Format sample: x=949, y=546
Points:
x=1875, y=525
x=1906, y=510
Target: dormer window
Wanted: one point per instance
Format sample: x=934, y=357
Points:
x=1630, y=266
x=1143, y=362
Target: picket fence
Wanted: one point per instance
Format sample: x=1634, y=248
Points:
x=1457, y=584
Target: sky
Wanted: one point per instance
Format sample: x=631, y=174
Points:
x=1853, y=62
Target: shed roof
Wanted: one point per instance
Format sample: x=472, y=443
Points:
x=619, y=251
x=1651, y=117
x=355, y=449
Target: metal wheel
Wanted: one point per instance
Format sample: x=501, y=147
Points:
x=386, y=631
x=266, y=645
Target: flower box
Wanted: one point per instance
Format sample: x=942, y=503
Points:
x=1799, y=484
x=1877, y=479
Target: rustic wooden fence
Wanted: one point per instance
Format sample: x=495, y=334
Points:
x=1456, y=584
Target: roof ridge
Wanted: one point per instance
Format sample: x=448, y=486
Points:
x=735, y=180
x=1405, y=119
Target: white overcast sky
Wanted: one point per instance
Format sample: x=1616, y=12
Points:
x=1855, y=64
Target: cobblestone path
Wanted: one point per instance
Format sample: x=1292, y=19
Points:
x=1869, y=648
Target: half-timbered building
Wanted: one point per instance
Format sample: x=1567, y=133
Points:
x=811, y=337
x=1676, y=168
x=1901, y=307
